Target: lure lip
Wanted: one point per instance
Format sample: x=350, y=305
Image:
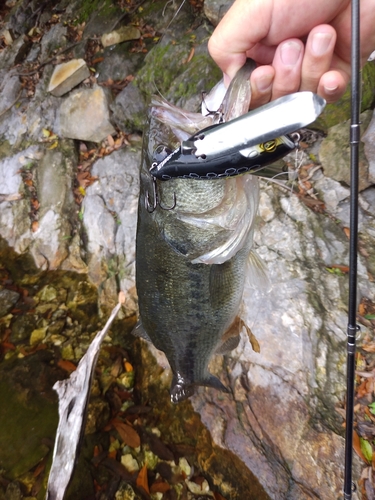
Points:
x=231, y=141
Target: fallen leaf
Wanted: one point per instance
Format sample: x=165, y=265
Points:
x=142, y=481
x=217, y=496
x=366, y=449
x=347, y=232
x=34, y=226
x=66, y=365
x=357, y=446
x=128, y=366
x=159, y=487
x=127, y=434
x=191, y=55
x=110, y=140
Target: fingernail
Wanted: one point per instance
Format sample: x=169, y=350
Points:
x=331, y=90
x=289, y=53
x=264, y=83
x=320, y=43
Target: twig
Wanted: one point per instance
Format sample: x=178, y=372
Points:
x=48, y=61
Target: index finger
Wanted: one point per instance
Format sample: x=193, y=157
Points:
x=233, y=37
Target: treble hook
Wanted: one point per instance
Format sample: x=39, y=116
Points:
x=151, y=207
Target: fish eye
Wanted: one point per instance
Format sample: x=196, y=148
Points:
x=160, y=153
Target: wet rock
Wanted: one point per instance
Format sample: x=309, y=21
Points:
x=123, y=34
x=38, y=335
x=8, y=299
x=98, y=414
x=22, y=327
x=215, y=10
x=30, y=412
x=84, y=115
x=67, y=75
x=14, y=491
x=335, y=153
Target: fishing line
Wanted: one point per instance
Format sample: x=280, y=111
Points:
x=352, y=328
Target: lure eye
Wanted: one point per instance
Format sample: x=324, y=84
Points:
x=160, y=153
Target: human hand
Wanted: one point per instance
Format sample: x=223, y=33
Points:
x=297, y=45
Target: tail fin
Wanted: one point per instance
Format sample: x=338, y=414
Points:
x=182, y=389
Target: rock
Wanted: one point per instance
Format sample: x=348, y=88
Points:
x=14, y=218
x=335, y=154
x=129, y=109
x=110, y=215
x=8, y=299
x=15, y=53
x=123, y=34
x=55, y=38
x=50, y=246
x=38, y=335
x=9, y=90
x=368, y=138
x=215, y=10
x=67, y=75
x=22, y=328
x=30, y=411
x=84, y=115
x=118, y=63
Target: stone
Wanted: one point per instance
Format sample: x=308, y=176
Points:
x=9, y=91
x=38, y=335
x=215, y=10
x=54, y=177
x=123, y=34
x=8, y=299
x=15, y=53
x=84, y=115
x=335, y=153
x=67, y=75
x=55, y=38
x=129, y=109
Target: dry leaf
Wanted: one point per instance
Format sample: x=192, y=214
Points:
x=127, y=434
x=34, y=226
x=347, y=232
x=142, y=481
x=111, y=140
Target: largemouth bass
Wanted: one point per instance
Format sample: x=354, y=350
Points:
x=193, y=248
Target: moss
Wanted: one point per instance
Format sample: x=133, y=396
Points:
x=89, y=7
x=340, y=111
x=5, y=149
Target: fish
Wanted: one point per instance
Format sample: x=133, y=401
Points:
x=194, y=247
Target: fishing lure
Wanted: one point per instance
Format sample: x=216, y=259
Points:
x=245, y=144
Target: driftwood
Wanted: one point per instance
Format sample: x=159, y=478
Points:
x=74, y=395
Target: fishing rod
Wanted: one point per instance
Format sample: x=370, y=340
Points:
x=352, y=328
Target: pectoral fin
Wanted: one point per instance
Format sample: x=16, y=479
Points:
x=231, y=337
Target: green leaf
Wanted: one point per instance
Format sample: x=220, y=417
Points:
x=370, y=316
x=372, y=407
x=366, y=449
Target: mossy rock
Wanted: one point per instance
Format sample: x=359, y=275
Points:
x=340, y=111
